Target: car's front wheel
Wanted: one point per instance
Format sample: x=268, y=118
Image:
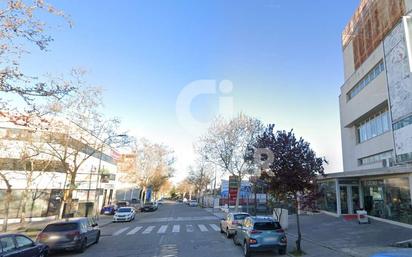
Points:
x=97, y=238
x=282, y=250
x=246, y=249
x=82, y=246
x=228, y=235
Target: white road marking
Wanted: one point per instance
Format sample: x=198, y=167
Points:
x=215, y=227
x=202, y=228
x=148, y=230
x=189, y=228
x=176, y=229
x=134, y=231
x=120, y=231
x=162, y=229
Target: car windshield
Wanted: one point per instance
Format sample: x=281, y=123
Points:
x=267, y=225
x=241, y=216
x=125, y=210
x=61, y=227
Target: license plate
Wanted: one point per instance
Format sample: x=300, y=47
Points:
x=106, y=212
x=269, y=239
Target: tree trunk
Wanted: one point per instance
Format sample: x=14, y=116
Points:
x=68, y=199
x=239, y=184
x=142, y=196
x=25, y=197
x=6, y=209
x=23, y=220
x=32, y=207
x=298, y=241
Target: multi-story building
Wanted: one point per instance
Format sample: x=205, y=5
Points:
x=375, y=114
x=31, y=172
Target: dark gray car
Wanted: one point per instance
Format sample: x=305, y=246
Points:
x=71, y=234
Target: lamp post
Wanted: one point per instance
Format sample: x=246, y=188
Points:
x=97, y=195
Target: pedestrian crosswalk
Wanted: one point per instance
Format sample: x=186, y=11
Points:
x=162, y=229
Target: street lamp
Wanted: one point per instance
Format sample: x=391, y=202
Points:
x=97, y=196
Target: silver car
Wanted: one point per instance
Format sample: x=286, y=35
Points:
x=229, y=225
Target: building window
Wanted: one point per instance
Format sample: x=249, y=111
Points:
x=371, y=75
x=327, y=201
x=376, y=158
x=403, y=123
x=374, y=126
x=388, y=198
x=406, y=157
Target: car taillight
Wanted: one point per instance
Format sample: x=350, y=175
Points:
x=255, y=232
x=280, y=230
x=74, y=235
x=252, y=241
x=41, y=236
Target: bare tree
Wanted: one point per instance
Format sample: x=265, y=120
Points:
x=153, y=166
x=200, y=177
x=35, y=165
x=185, y=188
x=77, y=131
x=228, y=144
x=20, y=29
x=7, y=200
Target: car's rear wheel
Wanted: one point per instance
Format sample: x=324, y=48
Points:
x=246, y=250
x=235, y=239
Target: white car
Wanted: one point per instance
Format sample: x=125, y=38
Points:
x=124, y=214
x=229, y=225
x=193, y=203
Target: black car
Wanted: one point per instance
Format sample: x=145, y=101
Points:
x=70, y=234
x=17, y=245
x=149, y=207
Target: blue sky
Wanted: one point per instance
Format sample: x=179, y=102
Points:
x=282, y=56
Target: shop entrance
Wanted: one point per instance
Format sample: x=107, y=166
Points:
x=349, y=199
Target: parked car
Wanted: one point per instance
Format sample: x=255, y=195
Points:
x=109, y=210
x=149, y=206
x=17, y=245
x=70, y=234
x=257, y=234
x=193, y=203
x=124, y=214
x=122, y=204
x=229, y=225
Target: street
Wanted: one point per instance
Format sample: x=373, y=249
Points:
x=172, y=230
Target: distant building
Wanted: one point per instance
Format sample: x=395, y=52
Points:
x=126, y=190
x=375, y=114
x=49, y=181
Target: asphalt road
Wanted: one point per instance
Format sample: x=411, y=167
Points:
x=174, y=230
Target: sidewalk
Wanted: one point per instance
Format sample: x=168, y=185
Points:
x=34, y=227
x=325, y=236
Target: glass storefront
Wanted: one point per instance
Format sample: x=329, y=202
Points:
x=327, y=200
x=388, y=198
